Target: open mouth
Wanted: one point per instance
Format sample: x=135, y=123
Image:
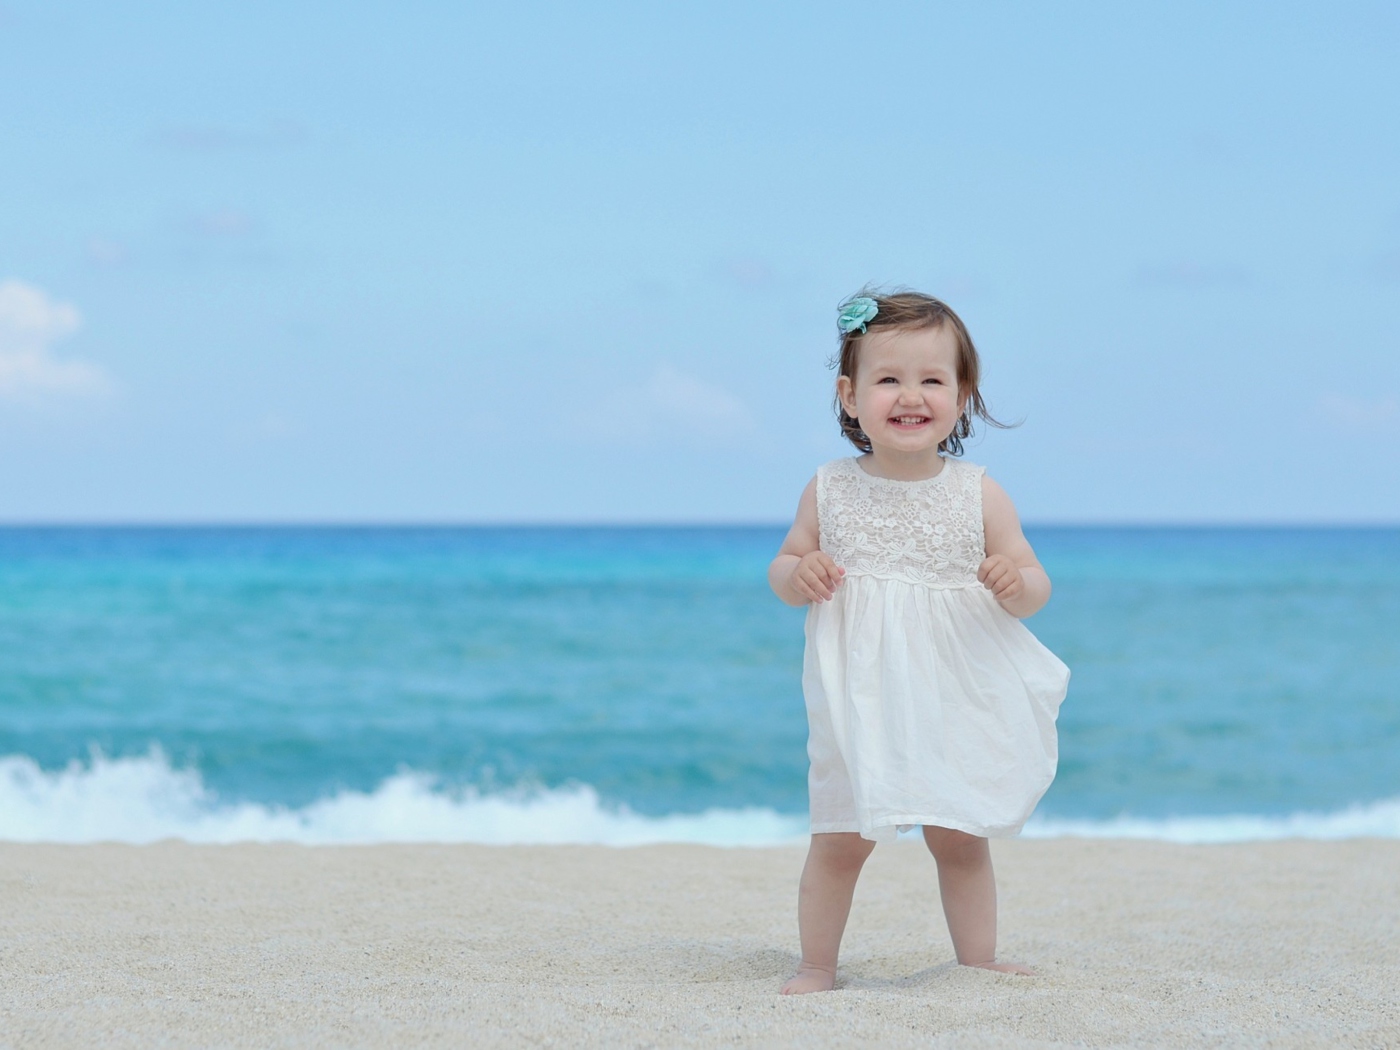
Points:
x=909, y=421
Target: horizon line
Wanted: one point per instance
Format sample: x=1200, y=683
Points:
x=601, y=523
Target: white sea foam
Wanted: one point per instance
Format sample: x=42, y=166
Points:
x=1370, y=820
x=143, y=799
x=146, y=798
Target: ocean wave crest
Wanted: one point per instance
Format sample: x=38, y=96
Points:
x=145, y=798
x=1368, y=820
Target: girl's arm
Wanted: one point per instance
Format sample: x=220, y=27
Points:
x=1011, y=572
x=802, y=572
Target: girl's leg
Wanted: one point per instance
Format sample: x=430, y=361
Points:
x=969, y=891
x=823, y=904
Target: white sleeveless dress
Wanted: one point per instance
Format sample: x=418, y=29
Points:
x=927, y=702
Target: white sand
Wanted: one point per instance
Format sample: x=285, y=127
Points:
x=1139, y=944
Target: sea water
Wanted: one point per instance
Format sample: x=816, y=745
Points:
x=627, y=685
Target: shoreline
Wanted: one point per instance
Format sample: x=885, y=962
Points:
x=1280, y=944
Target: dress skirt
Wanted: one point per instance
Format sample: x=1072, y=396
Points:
x=926, y=705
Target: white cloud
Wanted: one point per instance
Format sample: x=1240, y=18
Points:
x=1362, y=413
x=1188, y=274
x=750, y=274
x=105, y=252
x=269, y=427
x=672, y=402
x=213, y=138
x=29, y=323
x=226, y=222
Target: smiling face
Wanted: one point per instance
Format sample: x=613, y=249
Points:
x=905, y=390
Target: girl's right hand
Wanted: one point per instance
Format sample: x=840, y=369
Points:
x=816, y=576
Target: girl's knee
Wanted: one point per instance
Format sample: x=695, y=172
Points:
x=950, y=845
x=841, y=850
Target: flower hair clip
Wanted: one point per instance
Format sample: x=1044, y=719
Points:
x=856, y=313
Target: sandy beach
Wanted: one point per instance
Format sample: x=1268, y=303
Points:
x=1138, y=944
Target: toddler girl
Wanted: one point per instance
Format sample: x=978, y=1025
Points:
x=928, y=702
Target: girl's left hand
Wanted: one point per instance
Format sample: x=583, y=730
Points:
x=1000, y=576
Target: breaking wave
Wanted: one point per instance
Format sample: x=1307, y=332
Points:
x=145, y=798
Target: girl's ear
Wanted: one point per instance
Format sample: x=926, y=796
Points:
x=846, y=391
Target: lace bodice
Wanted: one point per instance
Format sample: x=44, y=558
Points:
x=925, y=532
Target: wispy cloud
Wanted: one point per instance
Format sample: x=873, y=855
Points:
x=1187, y=274
x=1361, y=413
x=672, y=403
x=30, y=323
x=749, y=273
x=216, y=138
x=1386, y=266
x=225, y=222
x=270, y=427
x=104, y=251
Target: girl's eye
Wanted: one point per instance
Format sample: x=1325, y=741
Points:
x=933, y=381
x=889, y=379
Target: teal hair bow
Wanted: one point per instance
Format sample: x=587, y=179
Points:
x=856, y=313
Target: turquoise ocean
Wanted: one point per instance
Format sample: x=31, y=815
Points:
x=627, y=685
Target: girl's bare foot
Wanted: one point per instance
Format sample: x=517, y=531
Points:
x=809, y=979
x=1005, y=967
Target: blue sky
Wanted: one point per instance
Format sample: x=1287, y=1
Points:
x=432, y=262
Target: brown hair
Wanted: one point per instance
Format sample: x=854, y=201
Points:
x=915, y=311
